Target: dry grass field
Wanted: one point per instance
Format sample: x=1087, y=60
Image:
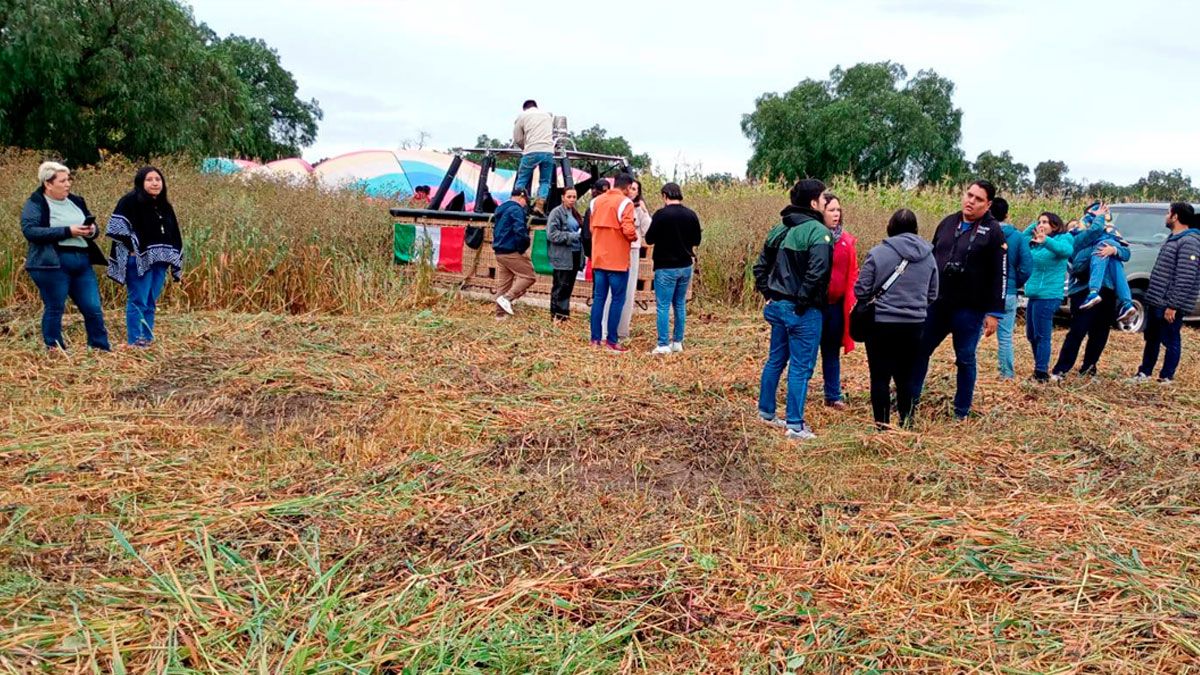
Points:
x=349, y=473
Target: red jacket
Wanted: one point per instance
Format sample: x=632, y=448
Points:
x=841, y=282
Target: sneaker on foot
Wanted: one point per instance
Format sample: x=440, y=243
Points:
x=836, y=405
x=1166, y=381
x=660, y=350
x=615, y=348
x=1140, y=378
x=1092, y=300
x=505, y=304
x=1056, y=377
x=804, y=433
x=1126, y=313
x=596, y=343
x=1041, y=376
x=676, y=347
x=772, y=421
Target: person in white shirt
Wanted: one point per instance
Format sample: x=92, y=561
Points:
x=533, y=133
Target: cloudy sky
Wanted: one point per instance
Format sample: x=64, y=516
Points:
x=1112, y=88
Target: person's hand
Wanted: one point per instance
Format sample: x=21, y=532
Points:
x=990, y=324
x=1169, y=315
x=1107, y=251
x=81, y=230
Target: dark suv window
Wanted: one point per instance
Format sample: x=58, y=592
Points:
x=1141, y=226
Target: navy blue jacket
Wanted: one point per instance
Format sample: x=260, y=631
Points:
x=43, y=239
x=510, y=231
x=1175, y=281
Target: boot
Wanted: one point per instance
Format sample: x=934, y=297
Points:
x=539, y=207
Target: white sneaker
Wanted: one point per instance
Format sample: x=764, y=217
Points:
x=803, y=434
x=676, y=347
x=505, y=304
x=660, y=350
x=1165, y=382
x=773, y=422
x=1056, y=378
x=1140, y=378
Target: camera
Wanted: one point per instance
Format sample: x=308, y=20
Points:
x=953, y=270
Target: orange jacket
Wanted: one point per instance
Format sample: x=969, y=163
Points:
x=613, y=231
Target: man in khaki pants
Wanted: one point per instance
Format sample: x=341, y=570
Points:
x=510, y=243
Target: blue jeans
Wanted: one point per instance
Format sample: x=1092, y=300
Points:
x=76, y=280
x=1039, y=328
x=670, y=292
x=1159, y=331
x=544, y=161
x=1111, y=272
x=141, y=300
x=833, y=328
x=1004, y=337
x=966, y=327
x=606, y=285
x=795, y=339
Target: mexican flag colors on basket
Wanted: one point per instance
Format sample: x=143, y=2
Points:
x=442, y=246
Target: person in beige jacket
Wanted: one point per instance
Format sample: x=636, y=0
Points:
x=641, y=221
x=533, y=133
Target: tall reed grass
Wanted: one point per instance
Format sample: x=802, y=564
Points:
x=257, y=245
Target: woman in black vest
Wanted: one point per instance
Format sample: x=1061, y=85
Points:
x=146, y=244
x=60, y=231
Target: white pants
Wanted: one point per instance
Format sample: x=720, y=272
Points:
x=630, y=290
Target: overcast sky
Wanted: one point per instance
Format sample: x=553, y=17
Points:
x=1111, y=88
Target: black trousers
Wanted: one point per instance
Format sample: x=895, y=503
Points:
x=1095, y=324
x=893, y=353
x=562, y=287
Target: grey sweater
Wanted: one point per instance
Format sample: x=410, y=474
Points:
x=909, y=298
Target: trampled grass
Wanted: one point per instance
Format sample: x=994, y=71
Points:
x=429, y=490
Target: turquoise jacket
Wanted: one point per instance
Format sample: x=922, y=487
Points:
x=1051, y=259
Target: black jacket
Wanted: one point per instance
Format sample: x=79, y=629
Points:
x=1175, y=280
x=981, y=279
x=796, y=260
x=43, y=239
x=674, y=232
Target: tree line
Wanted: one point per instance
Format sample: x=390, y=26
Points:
x=142, y=78
x=875, y=124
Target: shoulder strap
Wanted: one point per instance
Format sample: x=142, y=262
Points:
x=890, y=280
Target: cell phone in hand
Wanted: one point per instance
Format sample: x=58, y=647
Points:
x=89, y=221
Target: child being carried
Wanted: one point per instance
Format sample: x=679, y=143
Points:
x=1097, y=231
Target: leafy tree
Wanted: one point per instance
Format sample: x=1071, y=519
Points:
x=277, y=123
x=597, y=140
x=1050, y=177
x=138, y=77
x=502, y=162
x=1008, y=175
x=1165, y=186
x=866, y=121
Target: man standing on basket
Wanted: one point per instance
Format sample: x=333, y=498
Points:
x=533, y=133
x=970, y=249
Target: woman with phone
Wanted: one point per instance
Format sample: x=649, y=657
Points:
x=61, y=233
x=1050, y=246
x=146, y=245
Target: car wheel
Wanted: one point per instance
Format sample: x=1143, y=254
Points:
x=1138, y=323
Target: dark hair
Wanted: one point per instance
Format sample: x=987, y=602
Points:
x=987, y=186
x=902, y=222
x=600, y=186
x=805, y=191
x=518, y=192
x=672, y=191
x=1186, y=214
x=1057, y=226
x=622, y=181
x=139, y=184
x=529, y=104
x=421, y=189
x=1000, y=209
x=638, y=198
